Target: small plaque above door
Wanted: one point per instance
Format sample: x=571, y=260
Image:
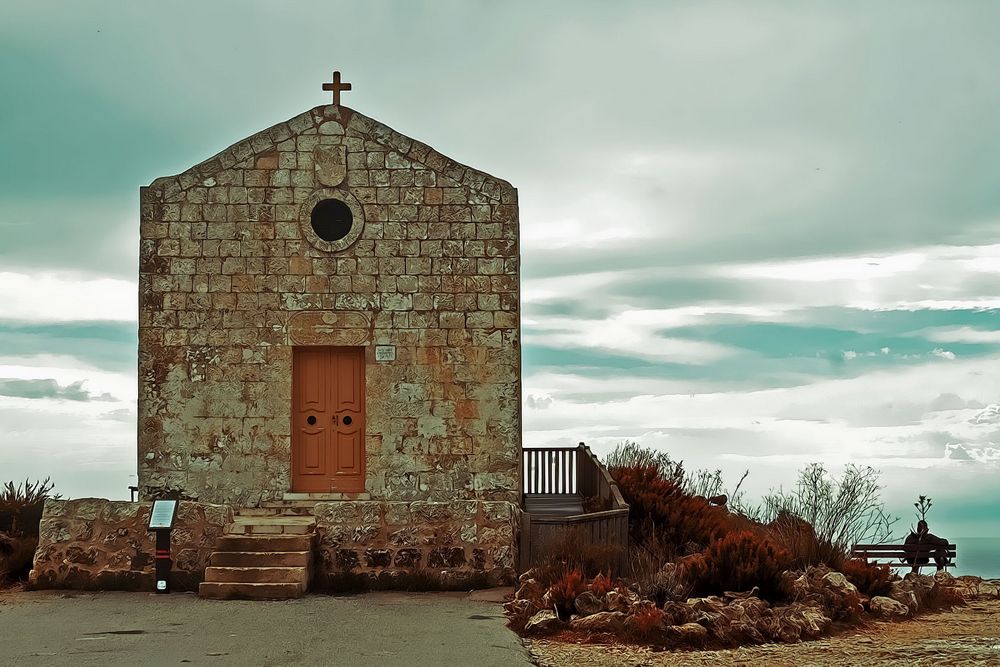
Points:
x=385, y=353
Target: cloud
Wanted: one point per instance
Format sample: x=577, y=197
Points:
x=961, y=335
x=943, y=354
x=538, y=401
x=49, y=388
x=66, y=297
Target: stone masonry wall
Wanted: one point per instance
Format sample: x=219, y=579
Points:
x=401, y=544
x=232, y=277
x=94, y=543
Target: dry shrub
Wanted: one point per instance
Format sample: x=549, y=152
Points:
x=841, y=510
x=705, y=483
x=869, y=578
x=799, y=538
x=947, y=597
x=575, y=551
x=663, y=516
x=564, y=591
x=738, y=562
x=21, y=506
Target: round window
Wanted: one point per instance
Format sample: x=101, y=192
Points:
x=332, y=219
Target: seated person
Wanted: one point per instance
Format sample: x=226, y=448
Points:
x=925, y=545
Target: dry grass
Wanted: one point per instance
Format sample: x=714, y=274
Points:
x=16, y=556
x=21, y=506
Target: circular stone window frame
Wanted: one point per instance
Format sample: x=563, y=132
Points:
x=357, y=222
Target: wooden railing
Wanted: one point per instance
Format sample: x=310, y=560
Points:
x=575, y=472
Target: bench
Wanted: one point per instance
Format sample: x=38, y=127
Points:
x=895, y=555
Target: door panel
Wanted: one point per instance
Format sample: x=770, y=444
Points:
x=328, y=388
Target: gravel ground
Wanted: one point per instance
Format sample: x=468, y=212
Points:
x=963, y=636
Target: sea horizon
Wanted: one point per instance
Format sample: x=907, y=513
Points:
x=977, y=556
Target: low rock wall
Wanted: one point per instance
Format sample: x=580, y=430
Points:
x=94, y=543
x=416, y=545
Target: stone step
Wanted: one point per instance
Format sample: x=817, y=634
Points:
x=258, y=575
x=324, y=497
x=260, y=543
x=267, y=510
x=306, y=506
x=253, y=529
x=220, y=590
x=272, y=525
x=276, y=520
x=260, y=558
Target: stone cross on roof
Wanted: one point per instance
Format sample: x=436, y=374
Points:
x=336, y=87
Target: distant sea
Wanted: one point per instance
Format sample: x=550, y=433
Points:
x=979, y=556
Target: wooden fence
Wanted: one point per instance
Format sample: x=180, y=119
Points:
x=576, y=475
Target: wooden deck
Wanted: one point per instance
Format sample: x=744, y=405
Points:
x=556, y=483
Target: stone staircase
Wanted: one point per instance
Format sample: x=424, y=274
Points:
x=266, y=555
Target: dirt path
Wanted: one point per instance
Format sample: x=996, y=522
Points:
x=379, y=629
x=963, y=636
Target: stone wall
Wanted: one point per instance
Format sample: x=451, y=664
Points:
x=232, y=276
x=94, y=543
x=416, y=544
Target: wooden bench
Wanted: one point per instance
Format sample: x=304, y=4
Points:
x=895, y=555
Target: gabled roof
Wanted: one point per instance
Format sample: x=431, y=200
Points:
x=354, y=124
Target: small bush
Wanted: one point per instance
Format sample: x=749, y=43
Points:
x=738, y=562
x=563, y=593
x=869, y=578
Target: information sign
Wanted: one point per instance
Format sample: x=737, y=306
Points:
x=162, y=516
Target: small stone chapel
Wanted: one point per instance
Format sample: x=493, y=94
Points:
x=329, y=341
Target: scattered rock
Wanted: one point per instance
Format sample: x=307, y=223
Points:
x=544, y=622
x=530, y=589
x=587, y=603
x=888, y=608
x=620, y=599
x=689, y=634
x=602, y=621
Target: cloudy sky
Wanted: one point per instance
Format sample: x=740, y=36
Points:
x=754, y=234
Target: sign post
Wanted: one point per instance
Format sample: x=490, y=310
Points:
x=161, y=520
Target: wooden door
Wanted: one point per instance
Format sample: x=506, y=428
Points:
x=328, y=420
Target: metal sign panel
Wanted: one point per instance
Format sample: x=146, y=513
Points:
x=162, y=516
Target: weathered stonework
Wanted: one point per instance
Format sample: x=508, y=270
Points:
x=232, y=277
x=384, y=541
x=94, y=543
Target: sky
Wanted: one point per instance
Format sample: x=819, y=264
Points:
x=754, y=235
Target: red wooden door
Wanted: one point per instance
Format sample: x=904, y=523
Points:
x=328, y=420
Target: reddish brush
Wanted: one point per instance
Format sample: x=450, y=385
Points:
x=661, y=511
x=645, y=623
x=601, y=585
x=870, y=579
x=564, y=592
x=738, y=562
